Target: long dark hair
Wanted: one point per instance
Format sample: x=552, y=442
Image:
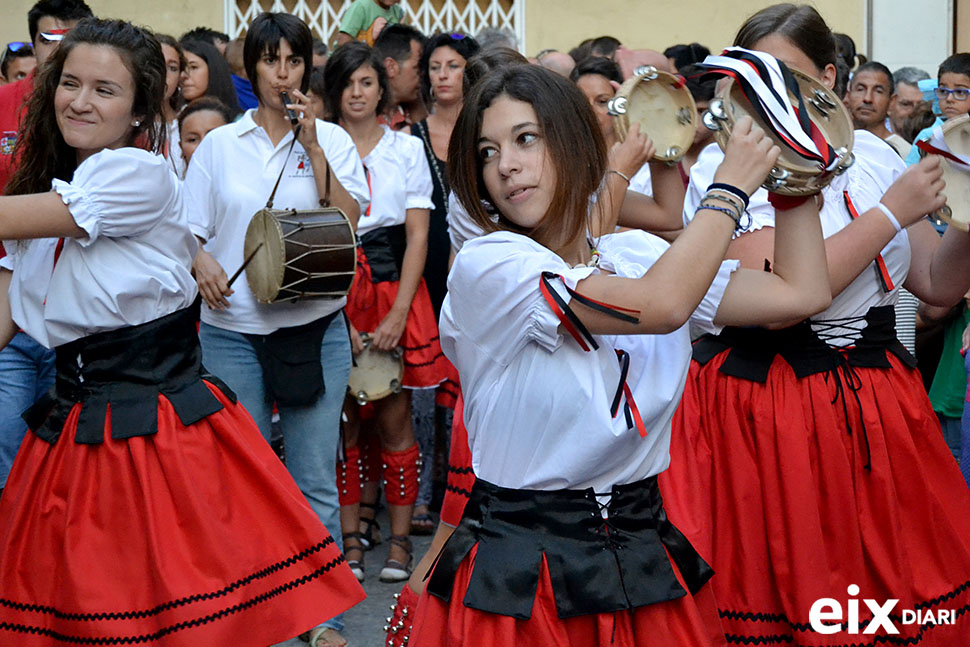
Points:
x=801, y=24
x=341, y=65
x=220, y=78
x=572, y=139
x=41, y=150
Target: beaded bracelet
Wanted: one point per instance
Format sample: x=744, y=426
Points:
x=732, y=190
x=725, y=197
x=732, y=214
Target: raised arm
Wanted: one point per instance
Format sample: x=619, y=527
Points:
x=673, y=287
x=850, y=251
x=339, y=196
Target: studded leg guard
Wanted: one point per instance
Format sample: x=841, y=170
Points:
x=348, y=477
x=398, y=625
x=370, y=457
x=401, y=471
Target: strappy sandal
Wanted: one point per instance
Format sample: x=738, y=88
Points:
x=370, y=531
x=395, y=571
x=356, y=565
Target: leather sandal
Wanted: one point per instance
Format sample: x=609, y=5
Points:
x=356, y=565
x=326, y=637
x=370, y=530
x=395, y=571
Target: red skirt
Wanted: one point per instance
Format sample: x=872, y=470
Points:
x=425, y=366
x=689, y=621
x=461, y=475
x=770, y=483
x=195, y=535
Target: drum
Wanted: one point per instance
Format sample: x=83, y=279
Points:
x=376, y=374
x=793, y=174
x=300, y=254
x=663, y=107
x=956, y=211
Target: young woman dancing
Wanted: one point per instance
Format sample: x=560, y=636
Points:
x=807, y=462
x=144, y=507
x=572, y=355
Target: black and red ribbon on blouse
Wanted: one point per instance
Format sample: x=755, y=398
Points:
x=578, y=331
x=882, y=272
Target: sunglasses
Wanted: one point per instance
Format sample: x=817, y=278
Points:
x=959, y=94
x=15, y=47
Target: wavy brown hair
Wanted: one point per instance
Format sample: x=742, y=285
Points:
x=572, y=139
x=42, y=154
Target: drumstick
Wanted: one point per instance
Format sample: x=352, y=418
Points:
x=246, y=262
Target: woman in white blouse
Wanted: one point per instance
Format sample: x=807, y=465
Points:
x=389, y=299
x=143, y=506
x=295, y=354
x=813, y=450
x=567, y=406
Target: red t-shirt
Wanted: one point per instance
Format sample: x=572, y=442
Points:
x=13, y=100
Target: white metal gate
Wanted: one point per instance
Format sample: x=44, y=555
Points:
x=430, y=16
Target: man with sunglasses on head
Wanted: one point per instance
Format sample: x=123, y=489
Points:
x=48, y=21
x=16, y=62
x=26, y=367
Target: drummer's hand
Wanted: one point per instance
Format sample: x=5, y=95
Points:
x=308, y=119
x=389, y=331
x=632, y=153
x=917, y=192
x=356, y=343
x=212, y=280
x=749, y=156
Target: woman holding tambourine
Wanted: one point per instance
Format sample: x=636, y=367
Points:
x=294, y=354
x=389, y=299
x=806, y=462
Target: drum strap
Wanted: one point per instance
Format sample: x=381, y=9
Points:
x=325, y=200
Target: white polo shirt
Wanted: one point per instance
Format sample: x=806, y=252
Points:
x=230, y=178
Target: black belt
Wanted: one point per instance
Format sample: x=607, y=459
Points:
x=384, y=248
x=127, y=369
x=596, y=565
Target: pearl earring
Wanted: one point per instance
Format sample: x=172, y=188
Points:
x=137, y=123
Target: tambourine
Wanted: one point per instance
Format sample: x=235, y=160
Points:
x=956, y=211
x=663, y=107
x=376, y=373
x=305, y=254
x=792, y=174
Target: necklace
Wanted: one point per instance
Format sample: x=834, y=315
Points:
x=433, y=161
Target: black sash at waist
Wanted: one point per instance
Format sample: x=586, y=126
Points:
x=596, y=565
x=752, y=350
x=384, y=248
x=128, y=369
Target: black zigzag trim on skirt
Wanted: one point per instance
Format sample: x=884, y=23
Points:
x=460, y=470
x=181, y=626
x=174, y=604
x=406, y=349
x=883, y=639
x=797, y=626
x=457, y=490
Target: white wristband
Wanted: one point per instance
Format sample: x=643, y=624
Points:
x=889, y=214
